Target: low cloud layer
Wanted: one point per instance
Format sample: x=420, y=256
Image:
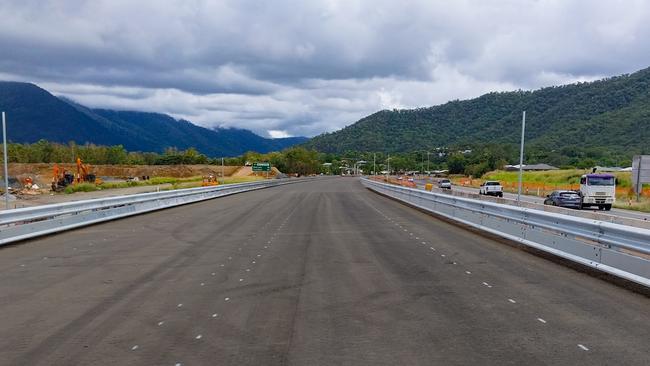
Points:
x=287, y=68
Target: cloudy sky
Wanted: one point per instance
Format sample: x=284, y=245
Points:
x=295, y=68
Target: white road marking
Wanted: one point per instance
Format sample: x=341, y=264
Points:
x=512, y=301
x=214, y=315
x=268, y=242
x=259, y=255
x=404, y=229
x=542, y=320
x=487, y=284
x=213, y=273
x=265, y=247
x=416, y=238
x=253, y=262
x=199, y=336
x=229, y=258
x=222, y=265
x=248, y=269
x=179, y=305
x=134, y=347
x=241, y=279
x=583, y=347
x=442, y=255
x=432, y=248
x=22, y=265
x=227, y=299
x=202, y=283
x=424, y=242
x=411, y=234
x=468, y=272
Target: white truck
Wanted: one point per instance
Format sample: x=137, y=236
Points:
x=491, y=188
x=598, y=190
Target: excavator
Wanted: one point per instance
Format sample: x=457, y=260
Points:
x=83, y=173
x=62, y=178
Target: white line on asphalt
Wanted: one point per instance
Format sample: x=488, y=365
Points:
x=416, y=238
x=259, y=255
x=160, y=323
x=198, y=336
x=248, y=269
x=432, y=248
x=179, y=305
x=178, y=364
x=512, y=301
x=214, y=315
x=542, y=320
x=583, y=347
x=222, y=265
x=468, y=272
x=227, y=299
x=424, y=242
x=214, y=274
x=134, y=347
x=241, y=279
x=229, y=258
x=442, y=255
x=202, y=283
x=253, y=262
x=487, y=284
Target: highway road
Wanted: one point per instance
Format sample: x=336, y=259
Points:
x=318, y=273
x=630, y=214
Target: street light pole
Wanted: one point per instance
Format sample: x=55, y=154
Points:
x=5, y=158
x=521, y=156
x=374, y=163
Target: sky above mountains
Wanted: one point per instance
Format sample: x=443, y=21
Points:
x=300, y=68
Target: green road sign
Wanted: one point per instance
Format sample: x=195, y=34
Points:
x=261, y=167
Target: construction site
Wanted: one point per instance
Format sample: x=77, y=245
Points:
x=37, y=184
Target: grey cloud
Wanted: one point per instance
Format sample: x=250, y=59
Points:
x=311, y=67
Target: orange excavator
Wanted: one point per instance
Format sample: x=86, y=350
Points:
x=60, y=178
x=209, y=180
x=83, y=173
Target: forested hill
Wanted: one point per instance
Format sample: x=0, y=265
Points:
x=613, y=114
x=34, y=114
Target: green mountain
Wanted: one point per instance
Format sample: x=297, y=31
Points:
x=34, y=114
x=611, y=114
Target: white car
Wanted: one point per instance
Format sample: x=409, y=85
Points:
x=491, y=188
x=444, y=184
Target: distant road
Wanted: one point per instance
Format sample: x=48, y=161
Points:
x=539, y=200
x=319, y=273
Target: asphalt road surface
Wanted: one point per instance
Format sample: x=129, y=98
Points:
x=319, y=273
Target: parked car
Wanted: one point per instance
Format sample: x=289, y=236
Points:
x=444, y=184
x=570, y=199
x=491, y=188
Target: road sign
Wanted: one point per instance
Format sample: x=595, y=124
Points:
x=640, y=171
x=261, y=167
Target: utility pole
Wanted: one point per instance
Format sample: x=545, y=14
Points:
x=521, y=156
x=388, y=159
x=5, y=158
x=428, y=169
x=223, y=177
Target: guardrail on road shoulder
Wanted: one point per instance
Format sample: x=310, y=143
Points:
x=620, y=250
x=24, y=223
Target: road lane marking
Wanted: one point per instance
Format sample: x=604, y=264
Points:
x=134, y=347
x=160, y=323
x=512, y=301
x=541, y=320
x=214, y=274
x=179, y=305
x=583, y=347
x=214, y=315
x=199, y=336
x=487, y=284
x=202, y=283
x=241, y=279
x=468, y=272
x=227, y=299
x=442, y=255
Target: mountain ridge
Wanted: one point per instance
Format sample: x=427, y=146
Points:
x=612, y=113
x=34, y=114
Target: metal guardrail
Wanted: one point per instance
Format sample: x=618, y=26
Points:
x=620, y=250
x=24, y=223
